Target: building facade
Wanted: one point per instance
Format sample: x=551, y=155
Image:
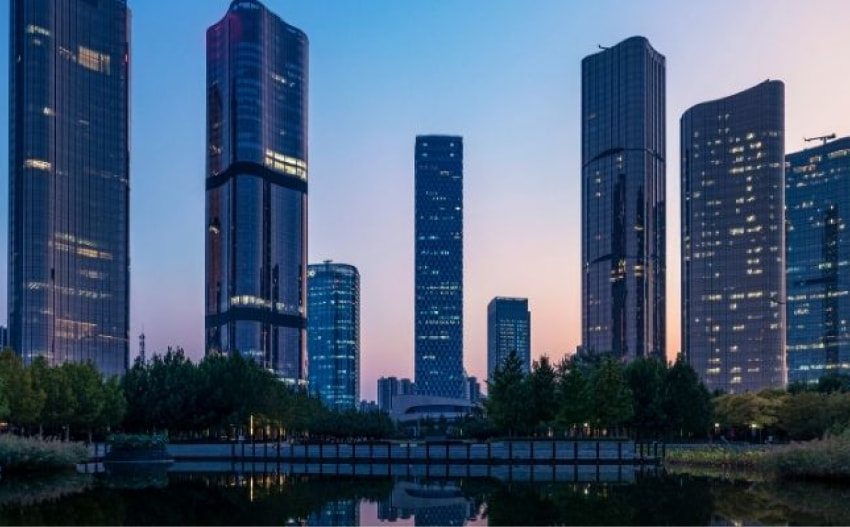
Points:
x=623, y=201
x=439, y=266
x=390, y=387
x=69, y=191
x=333, y=334
x=256, y=210
x=733, y=239
x=508, y=329
x=817, y=210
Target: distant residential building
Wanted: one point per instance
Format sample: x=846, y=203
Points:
x=333, y=333
x=473, y=390
x=406, y=387
x=733, y=239
x=508, y=329
x=256, y=188
x=69, y=182
x=817, y=214
x=368, y=406
x=439, y=265
x=623, y=200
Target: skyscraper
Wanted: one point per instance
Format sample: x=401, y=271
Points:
x=256, y=241
x=439, y=265
x=733, y=239
x=333, y=333
x=623, y=200
x=508, y=329
x=817, y=213
x=69, y=259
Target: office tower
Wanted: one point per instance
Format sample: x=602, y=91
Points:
x=817, y=210
x=69, y=259
x=473, y=390
x=4, y=338
x=256, y=242
x=333, y=333
x=389, y=387
x=733, y=239
x=439, y=265
x=623, y=201
x=508, y=329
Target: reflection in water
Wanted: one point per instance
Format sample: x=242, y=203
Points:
x=181, y=498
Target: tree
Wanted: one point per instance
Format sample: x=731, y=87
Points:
x=834, y=382
x=611, y=396
x=60, y=402
x=574, y=407
x=87, y=389
x=685, y=402
x=25, y=400
x=542, y=387
x=114, y=404
x=804, y=415
x=645, y=377
x=507, y=400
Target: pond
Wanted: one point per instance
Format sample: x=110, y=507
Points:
x=180, y=497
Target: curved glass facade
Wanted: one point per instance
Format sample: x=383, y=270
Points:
x=623, y=200
x=733, y=239
x=817, y=198
x=439, y=266
x=69, y=260
x=333, y=329
x=257, y=71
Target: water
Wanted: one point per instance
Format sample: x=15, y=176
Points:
x=231, y=497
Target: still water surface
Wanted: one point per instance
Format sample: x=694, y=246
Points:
x=196, y=498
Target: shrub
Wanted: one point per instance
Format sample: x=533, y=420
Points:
x=27, y=454
x=825, y=459
x=135, y=442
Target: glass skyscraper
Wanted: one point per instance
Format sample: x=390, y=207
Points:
x=508, y=329
x=439, y=266
x=733, y=239
x=817, y=205
x=623, y=200
x=69, y=260
x=333, y=333
x=256, y=228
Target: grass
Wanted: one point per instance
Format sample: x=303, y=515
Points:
x=29, y=454
x=716, y=457
x=821, y=459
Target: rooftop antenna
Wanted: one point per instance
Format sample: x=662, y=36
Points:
x=602, y=47
x=823, y=138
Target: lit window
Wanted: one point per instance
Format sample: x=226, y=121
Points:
x=93, y=60
x=40, y=164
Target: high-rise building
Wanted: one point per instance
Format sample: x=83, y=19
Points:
x=623, y=200
x=439, y=266
x=733, y=239
x=817, y=214
x=69, y=191
x=508, y=329
x=390, y=387
x=256, y=242
x=333, y=333
x=4, y=338
x=473, y=390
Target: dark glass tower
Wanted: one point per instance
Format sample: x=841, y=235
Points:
x=257, y=189
x=817, y=211
x=333, y=333
x=439, y=266
x=733, y=239
x=69, y=260
x=508, y=329
x=623, y=200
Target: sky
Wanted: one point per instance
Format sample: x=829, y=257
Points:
x=505, y=74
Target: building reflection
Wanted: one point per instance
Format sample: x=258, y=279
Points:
x=428, y=504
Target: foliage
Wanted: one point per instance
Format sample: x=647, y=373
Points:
x=28, y=454
x=572, y=395
x=130, y=442
x=611, y=396
x=507, y=400
x=826, y=459
x=541, y=387
x=685, y=401
x=645, y=378
x=25, y=400
x=715, y=457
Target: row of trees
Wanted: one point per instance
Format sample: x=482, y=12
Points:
x=58, y=399
x=598, y=394
x=223, y=392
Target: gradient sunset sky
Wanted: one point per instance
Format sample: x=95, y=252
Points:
x=506, y=76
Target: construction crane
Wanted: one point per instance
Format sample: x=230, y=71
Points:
x=823, y=138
